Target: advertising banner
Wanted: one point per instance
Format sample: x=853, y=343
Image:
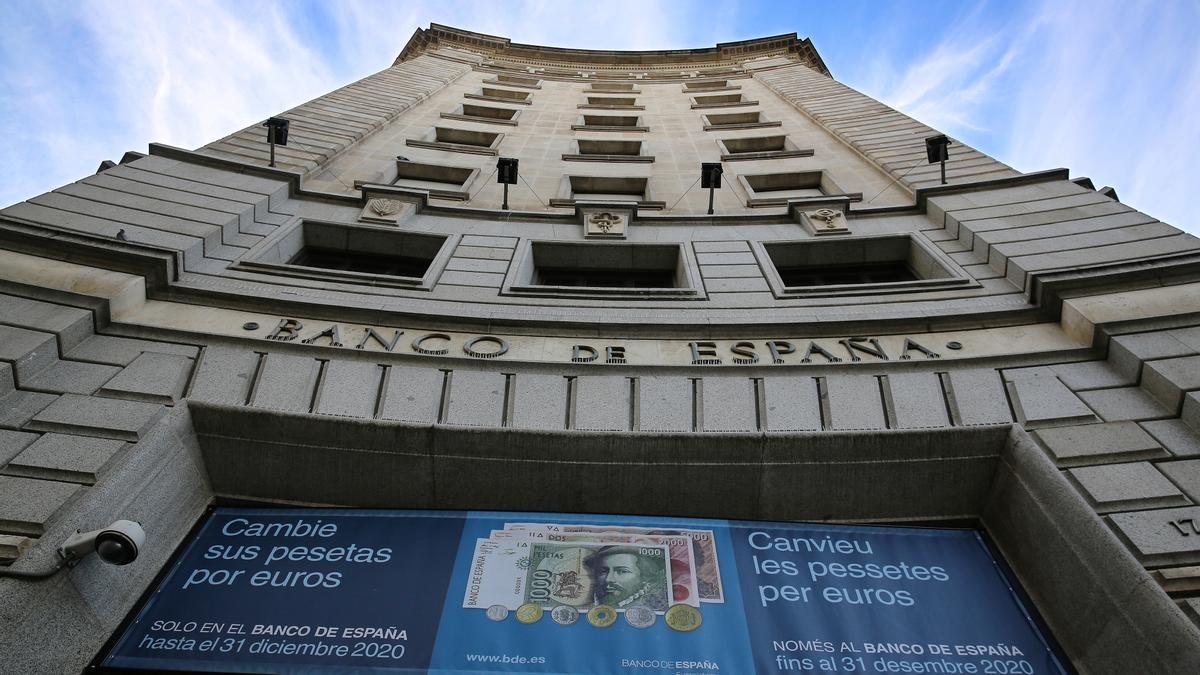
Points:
x=340, y=591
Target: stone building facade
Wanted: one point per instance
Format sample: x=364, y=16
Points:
x=845, y=338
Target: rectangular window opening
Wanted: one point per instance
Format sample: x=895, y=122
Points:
x=447, y=182
x=721, y=101
x=610, y=120
x=607, y=188
x=794, y=184
x=590, y=147
x=613, y=87
x=459, y=140
x=622, y=101
x=607, y=266
x=592, y=150
x=481, y=139
x=483, y=114
x=719, y=98
x=894, y=261
x=742, y=120
x=488, y=112
x=835, y=275
x=358, y=254
x=706, y=85
x=363, y=262
x=776, y=189
x=492, y=92
x=738, y=146
x=610, y=123
x=517, y=81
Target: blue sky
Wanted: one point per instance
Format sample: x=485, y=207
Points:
x=1110, y=90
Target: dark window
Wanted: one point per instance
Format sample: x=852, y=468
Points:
x=364, y=263
x=832, y=275
x=601, y=278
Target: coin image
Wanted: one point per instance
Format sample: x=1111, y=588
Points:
x=602, y=616
x=683, y=618
x=497, y=612
x=529, y=613
x=640, y=616
x=564, y=615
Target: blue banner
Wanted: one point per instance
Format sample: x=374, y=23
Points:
x=324, y=591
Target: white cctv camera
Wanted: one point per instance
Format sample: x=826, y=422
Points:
x=116, y=544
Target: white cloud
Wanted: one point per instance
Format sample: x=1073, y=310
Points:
x=188, y=73
x=952, y=86
x=1116, y=97
x=1109, y=90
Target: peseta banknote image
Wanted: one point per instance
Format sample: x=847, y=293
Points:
x=704, y=562
x=683, y=569
x=578, y=574
x=581, y=566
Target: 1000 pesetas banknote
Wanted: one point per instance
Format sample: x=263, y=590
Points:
x=512, y=572
x=704, y=549
x=683, y=569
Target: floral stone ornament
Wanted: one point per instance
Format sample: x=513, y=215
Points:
x=826, y=221
x=385, y=210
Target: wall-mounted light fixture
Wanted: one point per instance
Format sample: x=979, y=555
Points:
x=277, y=133
x=937, y=149
x=710, y=177
x=506, y=174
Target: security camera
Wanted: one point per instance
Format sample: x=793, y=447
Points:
x=116, y=544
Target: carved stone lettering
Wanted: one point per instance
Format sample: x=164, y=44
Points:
x=778, y=348
x=333, y=332
x=704, y=354
x=500, y=347
x=745, y=353
x=911, y=344
x=1162, y=536
x=814, y=348
x=871, y=347
x=418, y=344
x=286, y=329
x=584, y=354
x=372, y=334
x=1186, y=527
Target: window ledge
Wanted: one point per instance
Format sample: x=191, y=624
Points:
x=882, y=288
x=731, y=104
x=766, y=154
x=605, y=292
x=641, y=204
x=452, y=147
x=483, y=120
x=760, y=202
x=645, y=159
x=742, y=125
x=593, y=106
x=497, y=99
x=585, y=127
x=711, y=90
x=322, y=274
x=502, y=83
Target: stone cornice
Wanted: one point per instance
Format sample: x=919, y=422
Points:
x=724, y=54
